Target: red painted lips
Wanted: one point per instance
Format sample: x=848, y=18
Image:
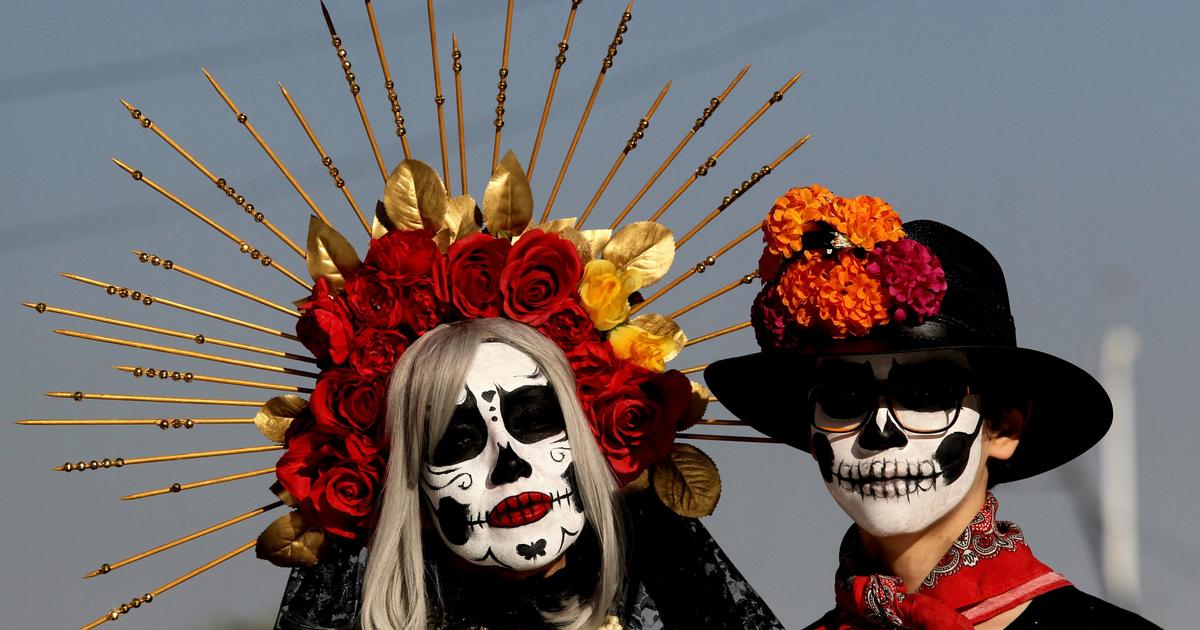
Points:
x=521, y=509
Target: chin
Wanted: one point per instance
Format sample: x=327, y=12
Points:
x=897, y=506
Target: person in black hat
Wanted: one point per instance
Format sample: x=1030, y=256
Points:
x=889, y=354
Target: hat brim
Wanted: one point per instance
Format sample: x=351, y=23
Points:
x=1069, y=410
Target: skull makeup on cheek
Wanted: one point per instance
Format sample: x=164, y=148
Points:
x=500, y=483
x=916, y=453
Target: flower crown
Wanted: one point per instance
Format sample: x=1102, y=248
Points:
x=840, y=267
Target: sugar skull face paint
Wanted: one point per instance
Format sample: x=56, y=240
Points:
x=898, y=438
x=500, y=482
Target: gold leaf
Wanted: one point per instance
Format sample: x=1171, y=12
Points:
x=277, y=414
x=460, y=216
x=414, y=197
x=697, y=407
x=662, y=326
x=379, y=223
x=507, y=200
x=646, y=246
x=688, y=482
x=442, y=239
x=557, y=225
x=284, y=495
x=564, y=228
x=597, y=239
x=330, y=255
x=637, y=485
x=290, y=542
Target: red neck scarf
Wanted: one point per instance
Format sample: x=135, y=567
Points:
x=988, y=570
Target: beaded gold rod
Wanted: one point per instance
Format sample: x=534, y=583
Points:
x=220, y=182
x=184, y=353
x=137, y=602
x=711, y=108
x=727, y=438
x=352, y=83
x=80, y=396
x=711, y=161
x=200, y=339
x=699, y=267
x=388, y=84
x=188, y=377
x=746, y=279
x=176, y=488
x=502, y=85
x=559, y=61
x=737, y=193
x=456, y=55
x=722, y=423
x=149, y=300
x=170, y=265
x=245, y=122
x=693, y=369
x=716, y=333
x=326, y=161
x=243, y=246
x=630, y=145
x=121, y=462
x=162, y=423
x=107, y=568
x=438, y=98
x=618, y=39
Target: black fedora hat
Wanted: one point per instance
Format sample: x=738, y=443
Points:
x=1069, y=410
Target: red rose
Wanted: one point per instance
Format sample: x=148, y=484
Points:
x=345, y=402
x=324, y=327
x=593, y=364
x=570, y=326
x=423, y=310
x=542, y=271
x=471, y=276
x=403, y=255
x=635, y=424
x=374, y=300
x=335, y=481
x=374, y=352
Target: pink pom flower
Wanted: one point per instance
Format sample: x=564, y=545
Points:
x=911, y=276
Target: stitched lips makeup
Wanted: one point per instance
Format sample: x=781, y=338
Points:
x=520, y=509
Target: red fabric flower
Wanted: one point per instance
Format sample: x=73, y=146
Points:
x=593, y=364
x=543, y=270
x=403, y=255
x=570, y=326
x=472, y=275
x=374, y=300
x=324, y=327
x=335, y=481
x=912, y=276
x=374, y=352
x=635, y=424
x=423, y=310
x=345, y=402
x=774, y=326
x=768, y=265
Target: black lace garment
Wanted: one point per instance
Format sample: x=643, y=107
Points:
x=678, y=578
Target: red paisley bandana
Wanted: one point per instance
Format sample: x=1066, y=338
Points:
x=988, y=570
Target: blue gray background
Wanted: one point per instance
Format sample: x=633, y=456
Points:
x=1062, y=135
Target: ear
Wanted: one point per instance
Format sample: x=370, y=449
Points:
x=1001, y=446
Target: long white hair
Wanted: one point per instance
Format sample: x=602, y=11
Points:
x=424, y=387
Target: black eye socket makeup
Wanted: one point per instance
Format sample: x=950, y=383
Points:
x=532, y=413
x=466, y=435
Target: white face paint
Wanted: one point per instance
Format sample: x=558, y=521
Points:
x=500, y=484
x=897, y=473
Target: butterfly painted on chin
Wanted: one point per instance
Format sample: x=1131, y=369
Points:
x=532, y=550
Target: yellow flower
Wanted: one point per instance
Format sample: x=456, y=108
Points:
x=642, y=347
x=605, y=292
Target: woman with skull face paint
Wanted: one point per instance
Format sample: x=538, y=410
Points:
x=918, y=402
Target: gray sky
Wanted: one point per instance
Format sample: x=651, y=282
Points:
x=1062, y=135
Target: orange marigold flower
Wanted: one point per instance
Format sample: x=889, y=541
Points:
x=794, y=214
x=866, y=221
x=837, y=294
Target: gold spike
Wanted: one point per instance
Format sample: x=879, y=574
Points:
x=163, y=423
x=559, y=61
x=456, y=55
x=108, y=568
x=78, y=396
x=388, y=84
x=188, y=377
x=149, y=300
x=722, y=423
x=703, y=169
x=746, y=279
x=630, y=145
x=229, y=191
x=122, y=461
x=693, y=370
x=42, y=307
x=180, y=487
x=713, y=104
x=737, y=193
x=502, y=85
x=352, y=82
x=727, y=438
x=326, y=161
x=185, y=353
x=245, y=122
x=137, y=602
x=243, y=246
x=438, y=98
x=622, y=27
x=717, y=333
x=699, y=267
x=170, y=265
